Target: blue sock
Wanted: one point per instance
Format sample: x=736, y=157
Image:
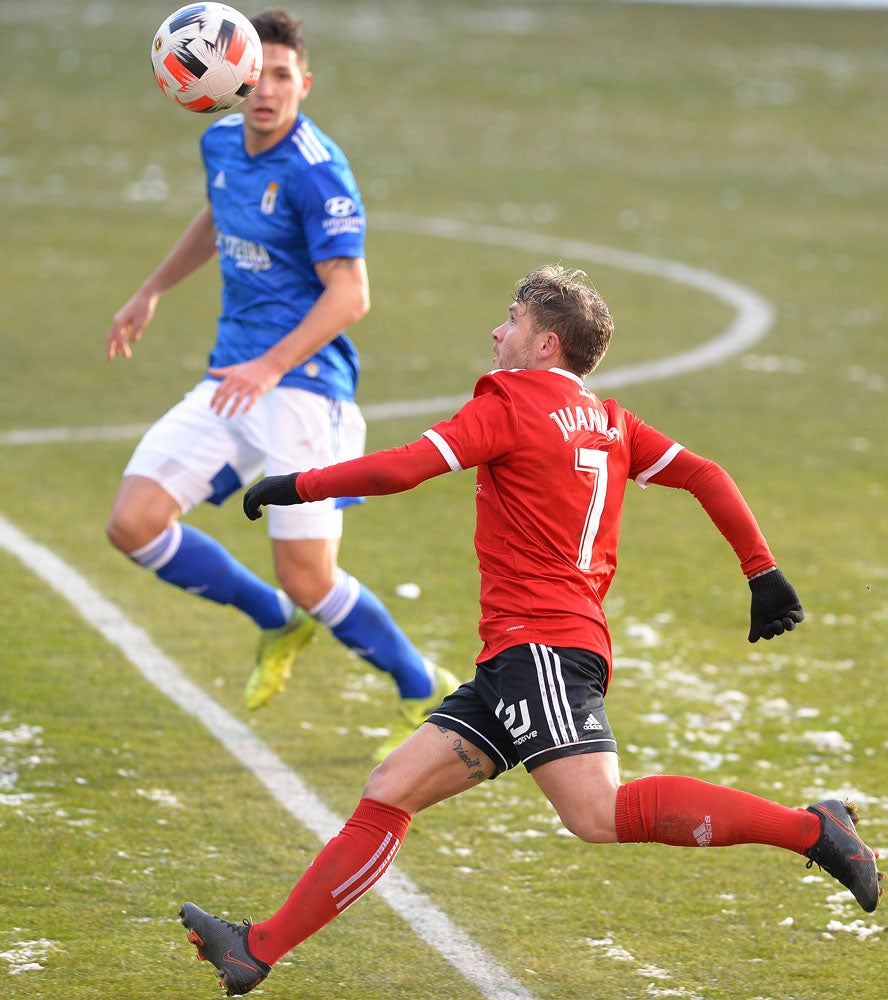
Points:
x=359, y=620
x=192, y=560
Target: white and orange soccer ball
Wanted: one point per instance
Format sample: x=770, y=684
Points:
x=206, y=57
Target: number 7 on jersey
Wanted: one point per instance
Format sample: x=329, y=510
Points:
x=595, y=464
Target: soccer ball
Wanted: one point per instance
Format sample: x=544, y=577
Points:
x=206, y=57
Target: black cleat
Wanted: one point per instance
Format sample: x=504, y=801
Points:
x=842, y=854
x=224, y=945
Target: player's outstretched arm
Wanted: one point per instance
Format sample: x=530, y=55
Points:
x=775, y=607
x=378, y=474
x=277, y=490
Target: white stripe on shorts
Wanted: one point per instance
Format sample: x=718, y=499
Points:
x=554, y=694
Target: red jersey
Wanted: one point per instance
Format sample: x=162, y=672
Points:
x=553, y=461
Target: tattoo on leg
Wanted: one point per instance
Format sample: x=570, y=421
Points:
x=459, y=748
x=472, y=763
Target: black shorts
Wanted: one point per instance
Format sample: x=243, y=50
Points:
x=532, y=704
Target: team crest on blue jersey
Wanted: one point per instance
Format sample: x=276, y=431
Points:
x=270, y=197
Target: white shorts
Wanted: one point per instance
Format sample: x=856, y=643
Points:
x=197, y=455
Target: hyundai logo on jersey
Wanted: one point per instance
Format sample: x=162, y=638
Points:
x=340, y=207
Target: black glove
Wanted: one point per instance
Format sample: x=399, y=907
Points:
x=277, y=490
x=775, y=606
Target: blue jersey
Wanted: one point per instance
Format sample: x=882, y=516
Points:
x=276, y=215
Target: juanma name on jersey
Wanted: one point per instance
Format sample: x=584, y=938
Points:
x=583, y=418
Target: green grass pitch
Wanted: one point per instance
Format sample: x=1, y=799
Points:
x=744, y=142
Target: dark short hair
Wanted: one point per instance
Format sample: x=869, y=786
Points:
x=565, y=302
x=276, y=27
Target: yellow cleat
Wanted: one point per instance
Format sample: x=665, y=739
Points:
x=278, y=648
x=413, y=712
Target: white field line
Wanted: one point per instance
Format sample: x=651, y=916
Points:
x=753, y=317
x=430, y=923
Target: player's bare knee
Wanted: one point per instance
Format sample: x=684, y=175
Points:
x=597, y=835
x=590, y=827
x=126, y=532
x=132, y=526
x=385, y=785
x=374, y=782
x=116, y=533
x=305, y=570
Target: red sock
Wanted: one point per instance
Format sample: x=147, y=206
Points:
x=686, y=812
x=344, y=870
